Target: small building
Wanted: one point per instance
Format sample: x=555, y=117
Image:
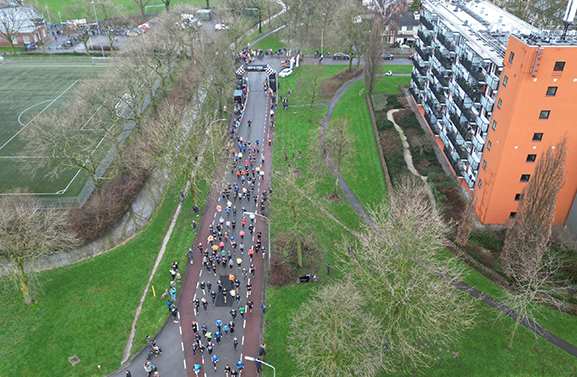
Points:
x=204, y=14
x=21, y=21
x=404, y=28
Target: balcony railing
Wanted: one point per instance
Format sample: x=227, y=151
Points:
x=472, y=92
x=432, y=106
x=475, y=70
x=456, y=166
x=423, y=53
x=417, y=81
x=474, y=163
x=415, y=96
x=467, y=113
x=422, y=70
x=432, y=125
x=443, y=80
x=462, y=128
x=440, y=96
x=449, y=44
x=446, y=62
x=426, y=38
x=487, y=103
x=428, y=24
x=492, y=81
x=478, y=143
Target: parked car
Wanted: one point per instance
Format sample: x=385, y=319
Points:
x=388, y=56
x=389, y=73
x=341, y=56
x=411, y=56
x=219, y=27
x=285, y=72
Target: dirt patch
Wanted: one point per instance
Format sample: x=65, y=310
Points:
x=284, y=267
x=390, y=141
x=329, y=87
x=333, y=197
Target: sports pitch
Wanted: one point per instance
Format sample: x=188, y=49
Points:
x=26, y=89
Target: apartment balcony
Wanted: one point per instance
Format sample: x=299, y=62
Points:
x=447, y=42
x=432, y=125
x=420, y=67
x=423, y=53
x=418, y=81
x=415, y=96
x=426, y=23
x=473, y=162
x=445, y=61
x=478, y=143
x=467, y=112
x=487, y=103
x=443, y=80
x=475, y=70
x=462, y=128
x=438, y=93
x=473, y=93
x=425, y=37
x=452, y=158
x=470, y=180
x=458, y=143
x=483, y=123
x=431, y=104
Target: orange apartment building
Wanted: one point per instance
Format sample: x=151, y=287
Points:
x=496, y=91
x=536, y=107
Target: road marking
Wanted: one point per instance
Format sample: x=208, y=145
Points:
x=244, y=324
x=242, y=344
x=184, y=361
x=182, y=346
x=180, y=329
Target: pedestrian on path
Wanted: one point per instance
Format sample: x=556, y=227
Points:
x=204, y=304
x=209, y=347
x=174, y=312
x=225, y=329
x=233, y=314
x=204, y=329
x=227, y=370
x=263, y=306
x=213, y=295
x=262, y=349
x=218, y=337
x=196, y=305
x=218, y=323
x=196, y=369
x=258, y=363
x=172, y=291
x=241, y=311
x=214, y=361
x=194, y=349
x=328, y=269
x=250, y=304
x=235, y=343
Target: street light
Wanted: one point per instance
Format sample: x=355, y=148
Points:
x=98, y=27
x=250, y=358
x=322, y=39
x=267, y=219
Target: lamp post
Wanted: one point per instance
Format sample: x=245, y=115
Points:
x=267, y=219
x=322, y=39
x=98, y=27
x=250, y=358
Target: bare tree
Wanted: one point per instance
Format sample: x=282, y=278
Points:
x=35, y=19
x=111, y=12
x=12, y=19
x=373, y=55
x=308, y=83
x=340, y=145
x=407, y=285
x=333, y=335
x=167, y=4
x=354, y=25
x=529, y=234
x=141, y=4
x=466, y=224
x=421, y=142
x=524, y=256
x=27, y=232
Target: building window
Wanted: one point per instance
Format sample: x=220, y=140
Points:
x=511, y=57
x=518, y=197
x=531, y=158
x=525, y=177
x=505, y=81
x=26, y=39
x=494, y=125
x=499, y=103
x=484, y=164
x=544, y=114
x=489, y=146
x=551, y=91
x=14, y=41
x=559, y=66
x=512, y=215
x=537, y=136
x=480, y=183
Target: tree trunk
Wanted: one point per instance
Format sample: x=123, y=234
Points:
x=207, y=4
x=85, y=42
x=13, y=48
x=299, y=252
x=23, y=282
x=514, y=331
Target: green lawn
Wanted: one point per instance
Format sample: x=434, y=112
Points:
x=87, y=308
x=363, y=172
x=273, y=41
x=27, y=89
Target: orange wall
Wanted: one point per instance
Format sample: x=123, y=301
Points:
x=518, y=119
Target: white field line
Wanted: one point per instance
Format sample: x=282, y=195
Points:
x=50, y=104
x=28, y=108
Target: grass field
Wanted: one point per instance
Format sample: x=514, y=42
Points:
x=26, y=90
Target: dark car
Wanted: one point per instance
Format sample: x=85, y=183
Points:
x=388, y=56
x=341, y=56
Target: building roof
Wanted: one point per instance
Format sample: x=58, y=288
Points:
x=20, y=18
x=408, y=19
